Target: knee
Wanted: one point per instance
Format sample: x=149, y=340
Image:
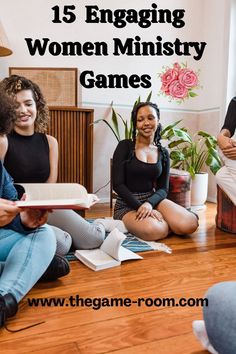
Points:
x=220, y=316
x=95, y=239
x=221, y=299
x=98, y=240
x=155, y=231
x=47, y=239
x=187, y=225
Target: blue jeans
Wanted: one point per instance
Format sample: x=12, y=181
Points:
x=24, y=258
x=220, y=317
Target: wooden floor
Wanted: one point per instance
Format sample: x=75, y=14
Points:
x=197, y=262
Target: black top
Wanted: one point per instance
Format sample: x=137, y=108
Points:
x=132, y=175
x=230, y=119
x=27, y=158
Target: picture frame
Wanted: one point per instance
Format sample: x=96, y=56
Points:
x=59, y=85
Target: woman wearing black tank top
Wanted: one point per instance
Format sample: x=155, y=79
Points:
x=31, y=156
x=141, y=180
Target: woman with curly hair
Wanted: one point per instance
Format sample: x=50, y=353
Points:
x=27, y=246
x=31, y=156
x=141, y=180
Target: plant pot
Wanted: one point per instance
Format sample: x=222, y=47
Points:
x=199, y=189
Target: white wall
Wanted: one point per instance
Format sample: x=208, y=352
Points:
x=206, y=20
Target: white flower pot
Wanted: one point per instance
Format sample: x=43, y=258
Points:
x=199, y=189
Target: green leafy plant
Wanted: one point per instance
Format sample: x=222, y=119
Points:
x=126, y=124
x=191, y=153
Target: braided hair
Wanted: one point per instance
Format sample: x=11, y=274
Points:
x=157, y=135
x=7, y=113
x=14, y=84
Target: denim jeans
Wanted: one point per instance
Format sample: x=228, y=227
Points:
x=24, y=258
x=220, y=317
x=84, y=235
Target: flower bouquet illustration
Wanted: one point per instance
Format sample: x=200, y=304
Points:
x=179, y=82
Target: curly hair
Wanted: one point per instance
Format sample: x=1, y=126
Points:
x=14, y=84
x=7, y=113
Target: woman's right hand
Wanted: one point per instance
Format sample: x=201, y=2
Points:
x=225, y=142
x=146, y=210
x=8, y=211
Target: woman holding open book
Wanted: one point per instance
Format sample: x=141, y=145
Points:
x=31, y=156
x=27, y=246
x=141, y=180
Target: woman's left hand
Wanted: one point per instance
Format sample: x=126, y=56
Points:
x=230, y=152
x=34, y=217
x=144, y=211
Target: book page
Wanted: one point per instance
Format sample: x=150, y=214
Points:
x=55, y=204
x=112, y=246
x=125, y=254
x=96, y=259
x=112, y=243
x=46, y=191
x=57, y=196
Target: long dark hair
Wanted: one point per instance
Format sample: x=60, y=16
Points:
x=157, y=135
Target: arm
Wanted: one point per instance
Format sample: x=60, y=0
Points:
x=121, y=154
x=230, y=119
x=162, y=187
x=224, y=139
x=8, y=211
x=53, y=159
x=12, y=217
x=3, y=147
x=225, y=142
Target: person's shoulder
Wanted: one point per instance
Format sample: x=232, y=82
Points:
x=51, y=140
x=124, y=148
x=165, y=156
x=233, y=101
x=125, y=143
x=164, y=150
x=3, y=146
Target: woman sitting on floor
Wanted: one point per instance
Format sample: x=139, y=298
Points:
x=31, y=156
x=141, y=180
x=26, y=247
x=226, y=176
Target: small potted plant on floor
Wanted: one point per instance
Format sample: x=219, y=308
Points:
x=192, y=153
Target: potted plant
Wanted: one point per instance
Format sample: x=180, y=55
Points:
x=125, y=130
x=186, y=152
x=191, y=153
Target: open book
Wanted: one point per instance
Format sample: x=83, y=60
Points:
x=110, y=254
x=56, y=196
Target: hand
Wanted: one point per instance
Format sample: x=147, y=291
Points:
x=230, y=153
x=8, y=211
x=144, y=211
x=225, y=142
x=34, y=217
x=156, y=215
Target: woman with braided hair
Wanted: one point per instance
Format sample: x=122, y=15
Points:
x=141, y=180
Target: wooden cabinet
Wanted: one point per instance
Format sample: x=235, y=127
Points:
x=73, y=130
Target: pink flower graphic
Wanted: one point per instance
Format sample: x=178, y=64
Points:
x=178, y=82
x=177, y=90
x=188, y=78
x=167, y=78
